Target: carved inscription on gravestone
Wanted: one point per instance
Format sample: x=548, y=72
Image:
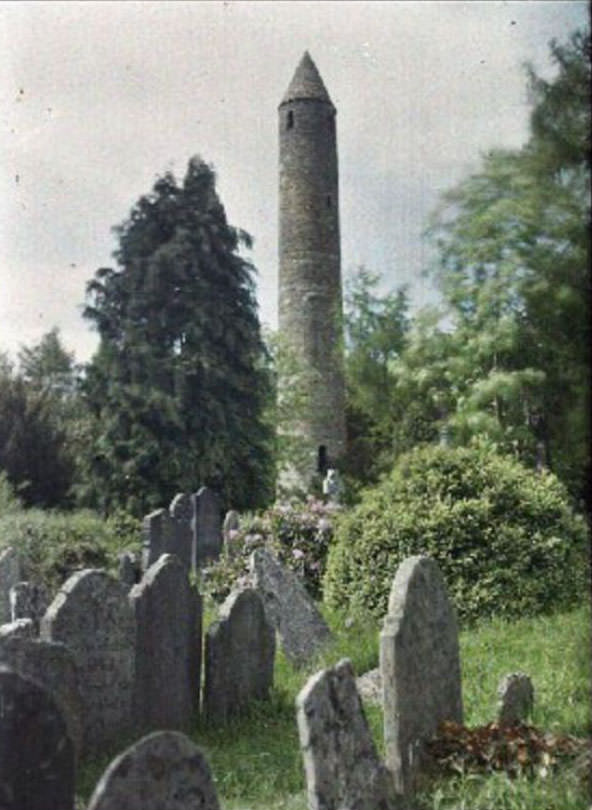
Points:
x=168, y=646
x=342, y=767
x=239, y=656
x=420, y=666
x=36, y=753
x=163, y=771
x=92, y=617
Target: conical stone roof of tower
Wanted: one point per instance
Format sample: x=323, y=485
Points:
x=306, y=83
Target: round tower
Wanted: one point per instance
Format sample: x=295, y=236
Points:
x=310, y=298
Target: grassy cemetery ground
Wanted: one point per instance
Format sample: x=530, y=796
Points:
x=256, y=760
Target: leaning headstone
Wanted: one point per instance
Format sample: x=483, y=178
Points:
x=343, y=770
x=53, y=666
x=420, y=666
x=289, y=609
x=207, y=526
x=239, y=656
x=20, y=628
x=28, y=600
x=181, y=512
x=36, y=754
x=168, y=647
x=163, y=771
x=91, y=615
x=515, y=699
x=10, y=574
x=128, y=568
x=157, y=535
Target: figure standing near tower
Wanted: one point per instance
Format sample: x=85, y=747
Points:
x=310, y=295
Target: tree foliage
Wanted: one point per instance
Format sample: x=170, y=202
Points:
x=179, y=381
x=513, y=246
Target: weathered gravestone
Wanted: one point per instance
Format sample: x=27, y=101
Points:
x=28, y=600
x=230, y=527
x=128, y=569
x=157, y=536
x=52, y=665
x=289, y=609
x=168, y=647
x=181, y=544
x=207, y=527
x=420, y=666
x=163, y=771
x=515, y=699
x=10, y=574
x=36, y=754
x=20, y=628
x=92, y=617
x=239, y=656
x=343, y=770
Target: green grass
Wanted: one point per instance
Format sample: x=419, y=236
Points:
x=256, y=760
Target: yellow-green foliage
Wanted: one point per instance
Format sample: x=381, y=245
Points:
x=505, y=537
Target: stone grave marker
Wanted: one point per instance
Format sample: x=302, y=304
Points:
x=92, y=617
x=229, y=527
x=515, y=699
x=157, y=536
x=162, y=771
x=289, y=609
x=181, y=511
x=28, y=600
x=239, y=656
x=10, y=574
x=128, y=568
x=36, y=754
x=342, y=768
x=420, y=666
x=168, y=646
x=207, y=528
x=20, y=628
x=52, y=665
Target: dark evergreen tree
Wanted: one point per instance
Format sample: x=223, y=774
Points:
x=179, y=382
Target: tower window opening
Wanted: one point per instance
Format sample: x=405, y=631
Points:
x=329, y=201
x=322, y=460
x=331, y=124
x=290, y=120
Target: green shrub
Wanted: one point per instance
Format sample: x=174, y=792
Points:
x=298, y=533
x=505, y=538
x=53, y=545
x=9, y=500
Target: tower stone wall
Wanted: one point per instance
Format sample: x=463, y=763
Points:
x=310, y=297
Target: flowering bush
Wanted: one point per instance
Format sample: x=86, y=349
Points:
x=298, y=533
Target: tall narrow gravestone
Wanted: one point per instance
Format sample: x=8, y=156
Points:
x=239, y=656
x=343, y=770
x=168, y=646
x=207, y=527
x=420, y=666
x=92, y=617
x=36, y=753
x=10, y=574
x=157, y=534
x=163, y=771
x=181, y=512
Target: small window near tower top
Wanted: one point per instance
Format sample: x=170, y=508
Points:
x=290, y=120
x=331, y=124
x=329, y=201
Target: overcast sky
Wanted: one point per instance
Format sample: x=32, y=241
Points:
x=101, y=98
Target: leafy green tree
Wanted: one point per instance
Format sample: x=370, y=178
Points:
x=179, y=382
x=513, y=243
x=376, y=327
x=32, y=447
